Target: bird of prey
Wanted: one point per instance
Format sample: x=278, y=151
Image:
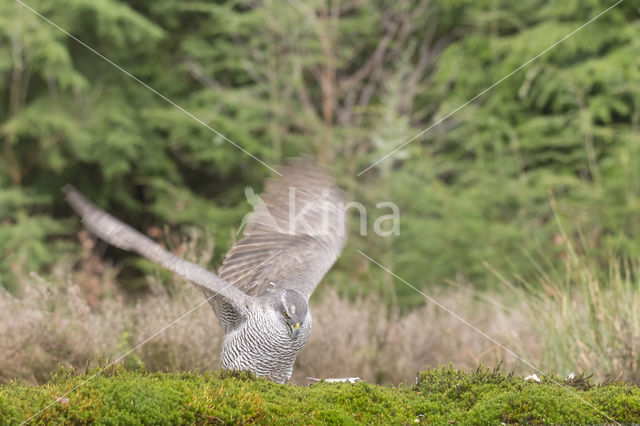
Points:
x=261, y=292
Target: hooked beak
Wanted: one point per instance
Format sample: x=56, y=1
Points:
x=295, y=330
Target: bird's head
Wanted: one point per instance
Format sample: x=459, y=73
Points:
x=292, y=307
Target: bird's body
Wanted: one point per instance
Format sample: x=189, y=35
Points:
x=261, y=292
x=259, y=345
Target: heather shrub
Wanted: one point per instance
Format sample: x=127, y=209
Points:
x=51, y=323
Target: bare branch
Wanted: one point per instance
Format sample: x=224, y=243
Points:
x=374, y=60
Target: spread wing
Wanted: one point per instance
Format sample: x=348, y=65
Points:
x=125, y=237
x=301, y=217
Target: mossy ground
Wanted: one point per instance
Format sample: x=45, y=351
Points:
x=443, y=395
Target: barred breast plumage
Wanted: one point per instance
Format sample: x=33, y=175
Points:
x=261, y=346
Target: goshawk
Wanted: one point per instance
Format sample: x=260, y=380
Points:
x=261, y=292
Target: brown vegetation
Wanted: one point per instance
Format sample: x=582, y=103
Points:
x=53, y=322
x=592, y=328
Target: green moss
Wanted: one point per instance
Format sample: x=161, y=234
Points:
x=439, y=396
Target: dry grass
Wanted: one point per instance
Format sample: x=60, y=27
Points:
x=590, y=323
x=54, y=322
x=364, y=338
x=577, y=326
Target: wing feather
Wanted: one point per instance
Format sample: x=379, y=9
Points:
x=301, y=216
x=125, y=237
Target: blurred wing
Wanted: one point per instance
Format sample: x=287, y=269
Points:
x=125, y=237
x=301, y=219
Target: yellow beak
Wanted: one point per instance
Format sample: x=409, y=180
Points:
x=295, y=330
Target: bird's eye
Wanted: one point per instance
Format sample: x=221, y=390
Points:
x=286, y=315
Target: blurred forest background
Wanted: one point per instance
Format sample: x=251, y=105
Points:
x=522, y=209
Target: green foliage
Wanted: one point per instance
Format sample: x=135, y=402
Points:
x=477, y=187
x=440, y=395
x=346, y=83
